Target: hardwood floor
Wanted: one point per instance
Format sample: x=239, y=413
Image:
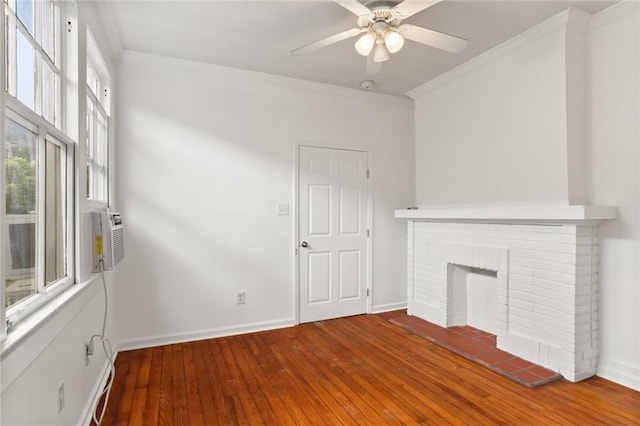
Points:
x=360, y=370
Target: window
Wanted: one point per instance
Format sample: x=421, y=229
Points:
x=39, y=159
x=38, y=203
x=97, y=124
x=32, y=59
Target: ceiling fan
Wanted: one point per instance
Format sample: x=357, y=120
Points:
x=384, y=34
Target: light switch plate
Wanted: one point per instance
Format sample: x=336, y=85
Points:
x=283, y=209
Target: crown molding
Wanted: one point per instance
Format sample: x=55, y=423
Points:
x=569, y=19
x=249, y=78
x=622, y=10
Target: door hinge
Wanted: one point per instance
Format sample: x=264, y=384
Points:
x=367, y=292
x=368, y=173
x=368, y=233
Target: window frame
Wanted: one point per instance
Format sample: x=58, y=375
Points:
x=97, y=156
x=22, y=115
x=41, y=56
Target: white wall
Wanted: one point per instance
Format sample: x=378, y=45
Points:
x=495, y=129
x=204, y=155
x=499, y=128
x=614, y=164
x=52, y=351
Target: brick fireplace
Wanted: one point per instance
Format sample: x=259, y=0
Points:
x=545, y=261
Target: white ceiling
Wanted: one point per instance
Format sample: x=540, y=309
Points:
x=258, y=35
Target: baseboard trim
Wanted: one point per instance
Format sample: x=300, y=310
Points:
x=619, y=372
x=378, y=309
x=169, y=339
x=96, y=392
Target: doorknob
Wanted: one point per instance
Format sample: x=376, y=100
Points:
x=304, y=244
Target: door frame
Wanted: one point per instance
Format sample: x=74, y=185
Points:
x=298, y=144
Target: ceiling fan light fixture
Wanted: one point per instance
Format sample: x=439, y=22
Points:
x=366, y=43
x=380, y=54
x=393, y=40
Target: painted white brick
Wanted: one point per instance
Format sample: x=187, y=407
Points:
x=526, y=262
x=547, y=334
x=565, y=268
x=519, y=329
x=556, y=276
x=587, y=270
x=524, y=279
x=554, y=303
x=557, y=299
x=520, y=315
x=557, y=229
x=546, y=274
x=563, y=288
x=555, y=238
x=586, y=230
x=521, y=270
x=520, y=287
x=520, y=244
x=555, y=257
x=502, y=291
x=585, y=250
x=555, y=247
x=585, y=240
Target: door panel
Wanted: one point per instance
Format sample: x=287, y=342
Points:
x=333, y=209
x=319, y=210
x=349, y=274
x=349, y=210
x=319, y=277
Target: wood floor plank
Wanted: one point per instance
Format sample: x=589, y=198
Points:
x=349, y=371
x=165, y=403
x=152, y=401
x=128, y=388
x=194, y=407
x=140, y=394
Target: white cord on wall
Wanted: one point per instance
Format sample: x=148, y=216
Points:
x=106, y=347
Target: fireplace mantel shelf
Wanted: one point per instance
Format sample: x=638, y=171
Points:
x=546, y=214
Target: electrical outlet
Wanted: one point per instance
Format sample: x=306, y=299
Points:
x=240, y=300
x=88, y=351
x=60, y=394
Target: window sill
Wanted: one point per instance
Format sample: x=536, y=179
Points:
x=20, y=346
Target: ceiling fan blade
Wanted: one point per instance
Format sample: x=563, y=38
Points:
x=433, y=38
x=327, y=41
x=354, y=7
x=373, y=68
x=411, y=7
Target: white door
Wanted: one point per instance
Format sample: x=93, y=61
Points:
x=333, y=211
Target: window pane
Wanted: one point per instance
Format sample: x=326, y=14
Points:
x=20, y=219
x=48, y=93
x=93, y=80
x=25, y=9
x=48, y=29
x=54, y=238
x=25, y=71
x=7, y=63
x=101, y=158
x=90, y=153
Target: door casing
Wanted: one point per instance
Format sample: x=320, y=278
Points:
x=296, y=218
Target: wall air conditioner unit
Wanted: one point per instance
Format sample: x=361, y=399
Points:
x=108, y=240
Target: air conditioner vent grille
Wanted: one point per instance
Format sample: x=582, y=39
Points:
x=118, y=245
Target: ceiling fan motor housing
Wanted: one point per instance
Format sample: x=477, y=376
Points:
x=381, y=4
x=380, y=12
